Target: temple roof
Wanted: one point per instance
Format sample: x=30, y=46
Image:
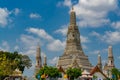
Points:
x=17, y=72
x=97, y=69
x=85, y=72
x=61, y=69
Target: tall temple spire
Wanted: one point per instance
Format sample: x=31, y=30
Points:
x=73, y=36
x=73, y=47
x=99, y=64
x=110, y=57
x=38, y=59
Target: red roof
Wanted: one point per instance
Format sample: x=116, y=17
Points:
x=97, y=69
x=61, y=69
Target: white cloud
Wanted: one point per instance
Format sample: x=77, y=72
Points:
x=29, y=44
x=84, y=46
x=5, y=46
x=4, y=14
x=65, y=3
x=40, y=32
x=84, y=39
x=109, y=37
x=16, y=47
x=62, y=30
x=53, y=61
x=95, y=34
x=53, y=44
x=95, y=52
x=16, y=11
x=116, y=25
x=28, y=39
x=34, y=16
x=93, y=13
x=56, y=45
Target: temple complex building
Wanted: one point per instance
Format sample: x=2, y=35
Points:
x=74, y=56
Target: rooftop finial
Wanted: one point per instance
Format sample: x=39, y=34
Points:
x=99, y=64
x=38, y=44
x=110, y=46
x=72, y=17
x=98, y=53
x=72, y=8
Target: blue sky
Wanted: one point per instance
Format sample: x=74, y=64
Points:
x=24, y=24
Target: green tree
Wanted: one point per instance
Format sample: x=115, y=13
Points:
x=49, y=71
x=116, y=73
x=73, y=73
x=23, y=61
x=5, y=66
x=10, y=61
x=94, y=77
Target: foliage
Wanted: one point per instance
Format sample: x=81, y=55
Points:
x=10, y=61
x=49, y=71
x=116, y=73
x=73, y=73
x=6, y=65
x=94, y=77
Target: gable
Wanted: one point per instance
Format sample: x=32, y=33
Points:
x=99, y=75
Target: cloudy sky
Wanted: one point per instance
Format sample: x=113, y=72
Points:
x=25, y=24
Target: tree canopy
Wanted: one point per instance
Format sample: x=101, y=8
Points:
x=49, y=71
x=10, y=61
x=115, y=73
x=73, y=73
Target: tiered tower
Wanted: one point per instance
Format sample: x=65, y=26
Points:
x=45, y=61
x=73, y=47
x=38, y=59
x=110, y=57
x=99, y=64
x=110, y=64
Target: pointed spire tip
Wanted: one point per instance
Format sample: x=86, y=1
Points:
x=72, y=8
x=110, y=46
